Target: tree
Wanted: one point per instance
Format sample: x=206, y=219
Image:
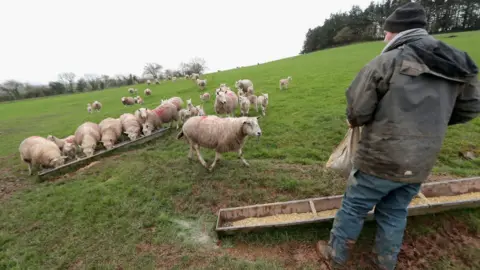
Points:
x=93, y=81
x=152, y=69
x=195, y=65
x=82, y=85
x=12, y=88
x=68, y=78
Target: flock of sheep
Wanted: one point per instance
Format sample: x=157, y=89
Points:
x=200, y=130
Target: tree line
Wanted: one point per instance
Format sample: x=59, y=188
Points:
x=68, y=83
x=357, y=25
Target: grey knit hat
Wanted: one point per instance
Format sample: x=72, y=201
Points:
x=408, y=16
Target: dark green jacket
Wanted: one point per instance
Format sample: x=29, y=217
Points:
x=406, y=98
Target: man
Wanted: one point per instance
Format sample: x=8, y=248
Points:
x=405, y=99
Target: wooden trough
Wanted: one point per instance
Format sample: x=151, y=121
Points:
x=82, y=161
x=314, y=210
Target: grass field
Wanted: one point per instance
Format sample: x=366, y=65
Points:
x=151, y=208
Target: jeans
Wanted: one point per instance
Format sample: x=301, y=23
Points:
x=390, y=199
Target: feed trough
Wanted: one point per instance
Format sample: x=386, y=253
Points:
x=82, y=161
x=442, y=196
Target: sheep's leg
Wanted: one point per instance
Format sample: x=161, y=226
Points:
x=240, y=155
x=200, y=158
x=217, y=157
x=29, y=168
x=190, y=153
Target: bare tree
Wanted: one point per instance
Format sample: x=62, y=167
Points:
x=195, y=65
x=12, y=88
x=68, y=78
x=93, y=81
x=152, y=69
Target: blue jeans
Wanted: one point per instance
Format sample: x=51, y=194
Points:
x=390, y=199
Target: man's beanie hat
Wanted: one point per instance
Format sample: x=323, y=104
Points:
x=408, y=16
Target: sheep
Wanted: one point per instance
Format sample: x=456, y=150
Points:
x=128, y=101
x=250, y=90
x=177, y=101
x=244, y=105
x=201, y=112
x=243, y=84
x=226, y=103
x=138, y=100
x=148, y=82
x=130, y=125
x=222, y=134
x=131, y=90
x=202, y=83
x=38, y=151
x=187, y=77
x=96, y=106
x=67, y=145
x=194, y=76
x=223, y=88
x=87, y=136
x=147, y=92
x=89, y=108
x=263, y=101
x=253, y=101
x=174, y=79
x=284, y=82
x=111, y=130
x=148, y=119
x=205, y=96
x=183, y=115
x=157, y=81
x=191, y=108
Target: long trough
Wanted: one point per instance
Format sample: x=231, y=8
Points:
x=441, y=196
x=82, y=161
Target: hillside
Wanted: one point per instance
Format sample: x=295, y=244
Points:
x=150, y=207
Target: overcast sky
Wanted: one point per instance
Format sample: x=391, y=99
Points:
x=43, y=38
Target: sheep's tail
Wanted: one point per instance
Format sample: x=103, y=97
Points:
x=180, y=135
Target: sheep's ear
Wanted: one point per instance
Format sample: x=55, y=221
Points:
x=258, y=117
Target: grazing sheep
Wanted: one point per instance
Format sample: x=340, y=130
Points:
x=147, y=92
x=130, y=125
x=38, y=151
x=128, y=101
x=177, y=101
x=202, y=84
x=222, y=134
x=89, y=108
x=138, y=100
x=167, y=113
x=148, y=82
x=183, y=115
x=263, y=101
x=195, y=76
x=96, y=106
x=225, y=103
x=243, y=84
x=87, y=136
x=111, y=130
x=191, y=108
x=66, y=145
x=244, y=105
x=148, y=119
x=284, y=82
x=204, y=97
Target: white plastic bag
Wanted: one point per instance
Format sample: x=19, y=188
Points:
x=341, y=159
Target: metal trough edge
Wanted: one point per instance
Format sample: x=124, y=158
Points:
x=100, y=153
x=412, y=210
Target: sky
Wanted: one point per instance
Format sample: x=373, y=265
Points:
x=41, y=39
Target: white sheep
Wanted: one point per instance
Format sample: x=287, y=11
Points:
x=284, y=82
x=205, y=96
x=187, y=77
x=87, y=136
x=225, y=103
x=263, y=101
x=147, y=92
x=38, y=151
x=183, y=115
x=244, y=105
x=148, y=82
x=174, y=79
x=130, y=126
x=194, y=76
x=149, y=120
x=138, y=99
x=96, y=106
x=157, y=81
x=191, y=108
x=128, y=101
x=201, y=112
x=89, y=108
x=177, y=101
x=67, y=145
x=131, y=91
x=111, y=130
x=222, y=134
x=202, y=84
x=243, y=84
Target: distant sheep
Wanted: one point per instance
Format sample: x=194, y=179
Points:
x=96, y=106
x=205, y=97
x=111, y=130
x=202, y=83
x=128, y=101
x=132, y=91
x=157, y=81
x=201, y=112
x=243, y=84
x=222, y=134
x=263, y=101
x=138, y=100
x=174, y=79
x=38, y=151
x=130, y=126
x=244, y=105
x=89, y=108
x=148, y=82
x=87, y=136
x=147, y=92
x=225, y=103
x=187, y=77
x=67, y=145
x=284, y=82
x=194, y=76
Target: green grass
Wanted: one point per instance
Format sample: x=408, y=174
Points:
x=150, y=207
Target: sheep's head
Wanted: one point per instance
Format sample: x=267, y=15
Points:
x=131, y=135
x=189, y=101
x=108, y=143
x=289, y=78
x=238, y=84
x=56, y=161
x=51, y=138
x=147, y=129
x=141, y=113
x=69, y=149
x=123, y=99
x=251, y=126
x=222, y=97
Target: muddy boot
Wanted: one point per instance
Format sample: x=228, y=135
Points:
x=324, y=252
